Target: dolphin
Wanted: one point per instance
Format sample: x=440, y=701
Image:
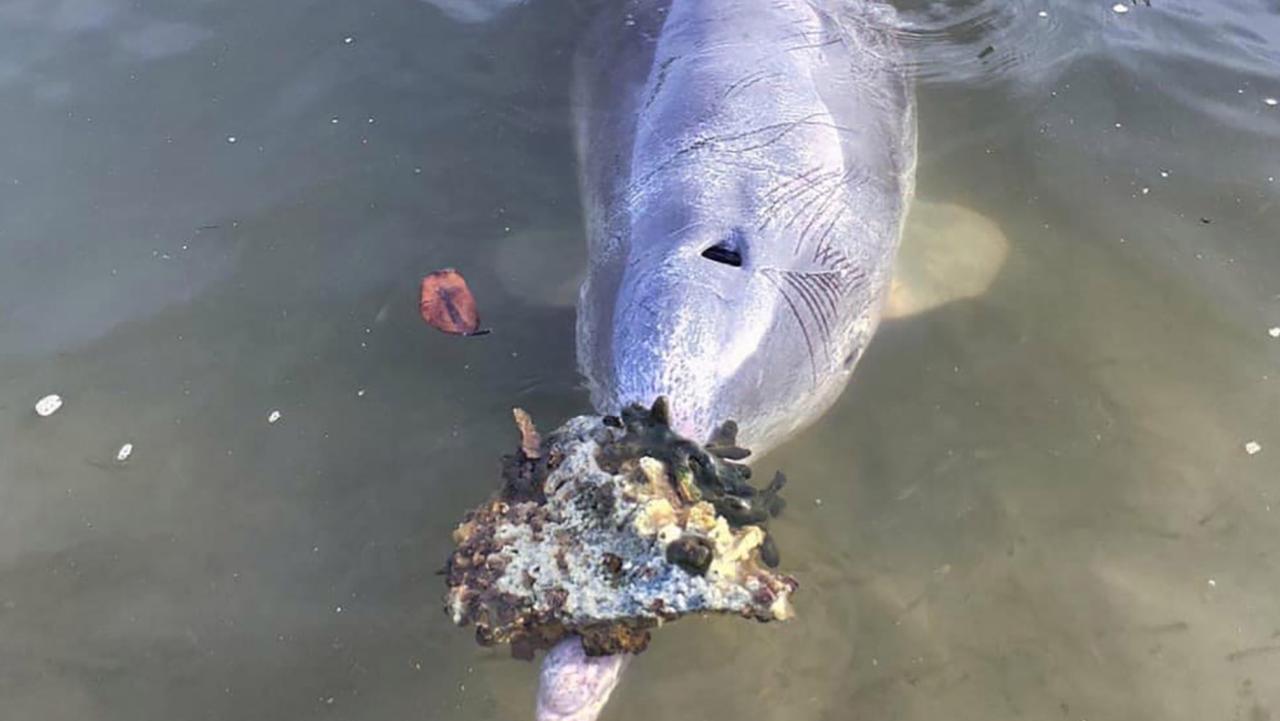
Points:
x=745, y=169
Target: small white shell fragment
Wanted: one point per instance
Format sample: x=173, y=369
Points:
x=1271, y=101
x=125, y=451
x=669, y=534
x=232, y=139
x=48, y=405
x=275, y=416
x=1043, y=13
x=348, y=40
x=1212, y=583
x=1253, y=448
x=1119, y=8
x=1274, y=331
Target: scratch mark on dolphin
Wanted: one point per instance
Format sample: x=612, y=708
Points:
x=747, y=81
x=661, y=80
x=805, y=288
x=833, y=194
x=769, y=274
x=780, y=131
x=814, y=298
x=814, y=46
x=787, y=191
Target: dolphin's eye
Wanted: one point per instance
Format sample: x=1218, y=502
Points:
x=727, y=251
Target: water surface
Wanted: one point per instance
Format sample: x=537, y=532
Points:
x=1032, y=503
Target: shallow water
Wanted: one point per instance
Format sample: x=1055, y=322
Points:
x=1031, y=503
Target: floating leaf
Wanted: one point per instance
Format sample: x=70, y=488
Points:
x=447, y=304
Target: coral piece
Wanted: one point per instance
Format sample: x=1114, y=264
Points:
x=611, y=527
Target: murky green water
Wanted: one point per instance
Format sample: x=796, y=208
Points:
x=1034, y=503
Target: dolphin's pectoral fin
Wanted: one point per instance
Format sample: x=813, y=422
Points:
x=542, y=266
x=948, y=253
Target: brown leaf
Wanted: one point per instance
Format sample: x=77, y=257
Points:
x=530, y=441
x=447, y=303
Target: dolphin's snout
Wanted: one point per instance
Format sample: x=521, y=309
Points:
x=669, y=340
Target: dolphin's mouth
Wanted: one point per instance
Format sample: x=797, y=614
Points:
x=691, y=421
x=687, y=417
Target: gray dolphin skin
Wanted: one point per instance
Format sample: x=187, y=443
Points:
x=745, y=168
x=574, y=686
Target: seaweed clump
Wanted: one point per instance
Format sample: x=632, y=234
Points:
x=611, y=527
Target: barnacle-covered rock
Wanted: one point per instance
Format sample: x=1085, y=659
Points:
x=613, y=526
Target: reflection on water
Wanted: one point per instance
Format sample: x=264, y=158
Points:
x=1034, y=502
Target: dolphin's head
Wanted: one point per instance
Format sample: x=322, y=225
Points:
x=741, y=229
x=729, y=321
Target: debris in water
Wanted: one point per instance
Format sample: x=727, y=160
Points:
x=986, y=51
x=48, y=405
x=125, y=451
x=609, y=528
x=1043, y=13
x=447, y=305
x=1253, y=448
x=1274, y=332
x=530, y=441
x=1271, y=101
x=273, y=417
x=232, y=139
x=1120, y=8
